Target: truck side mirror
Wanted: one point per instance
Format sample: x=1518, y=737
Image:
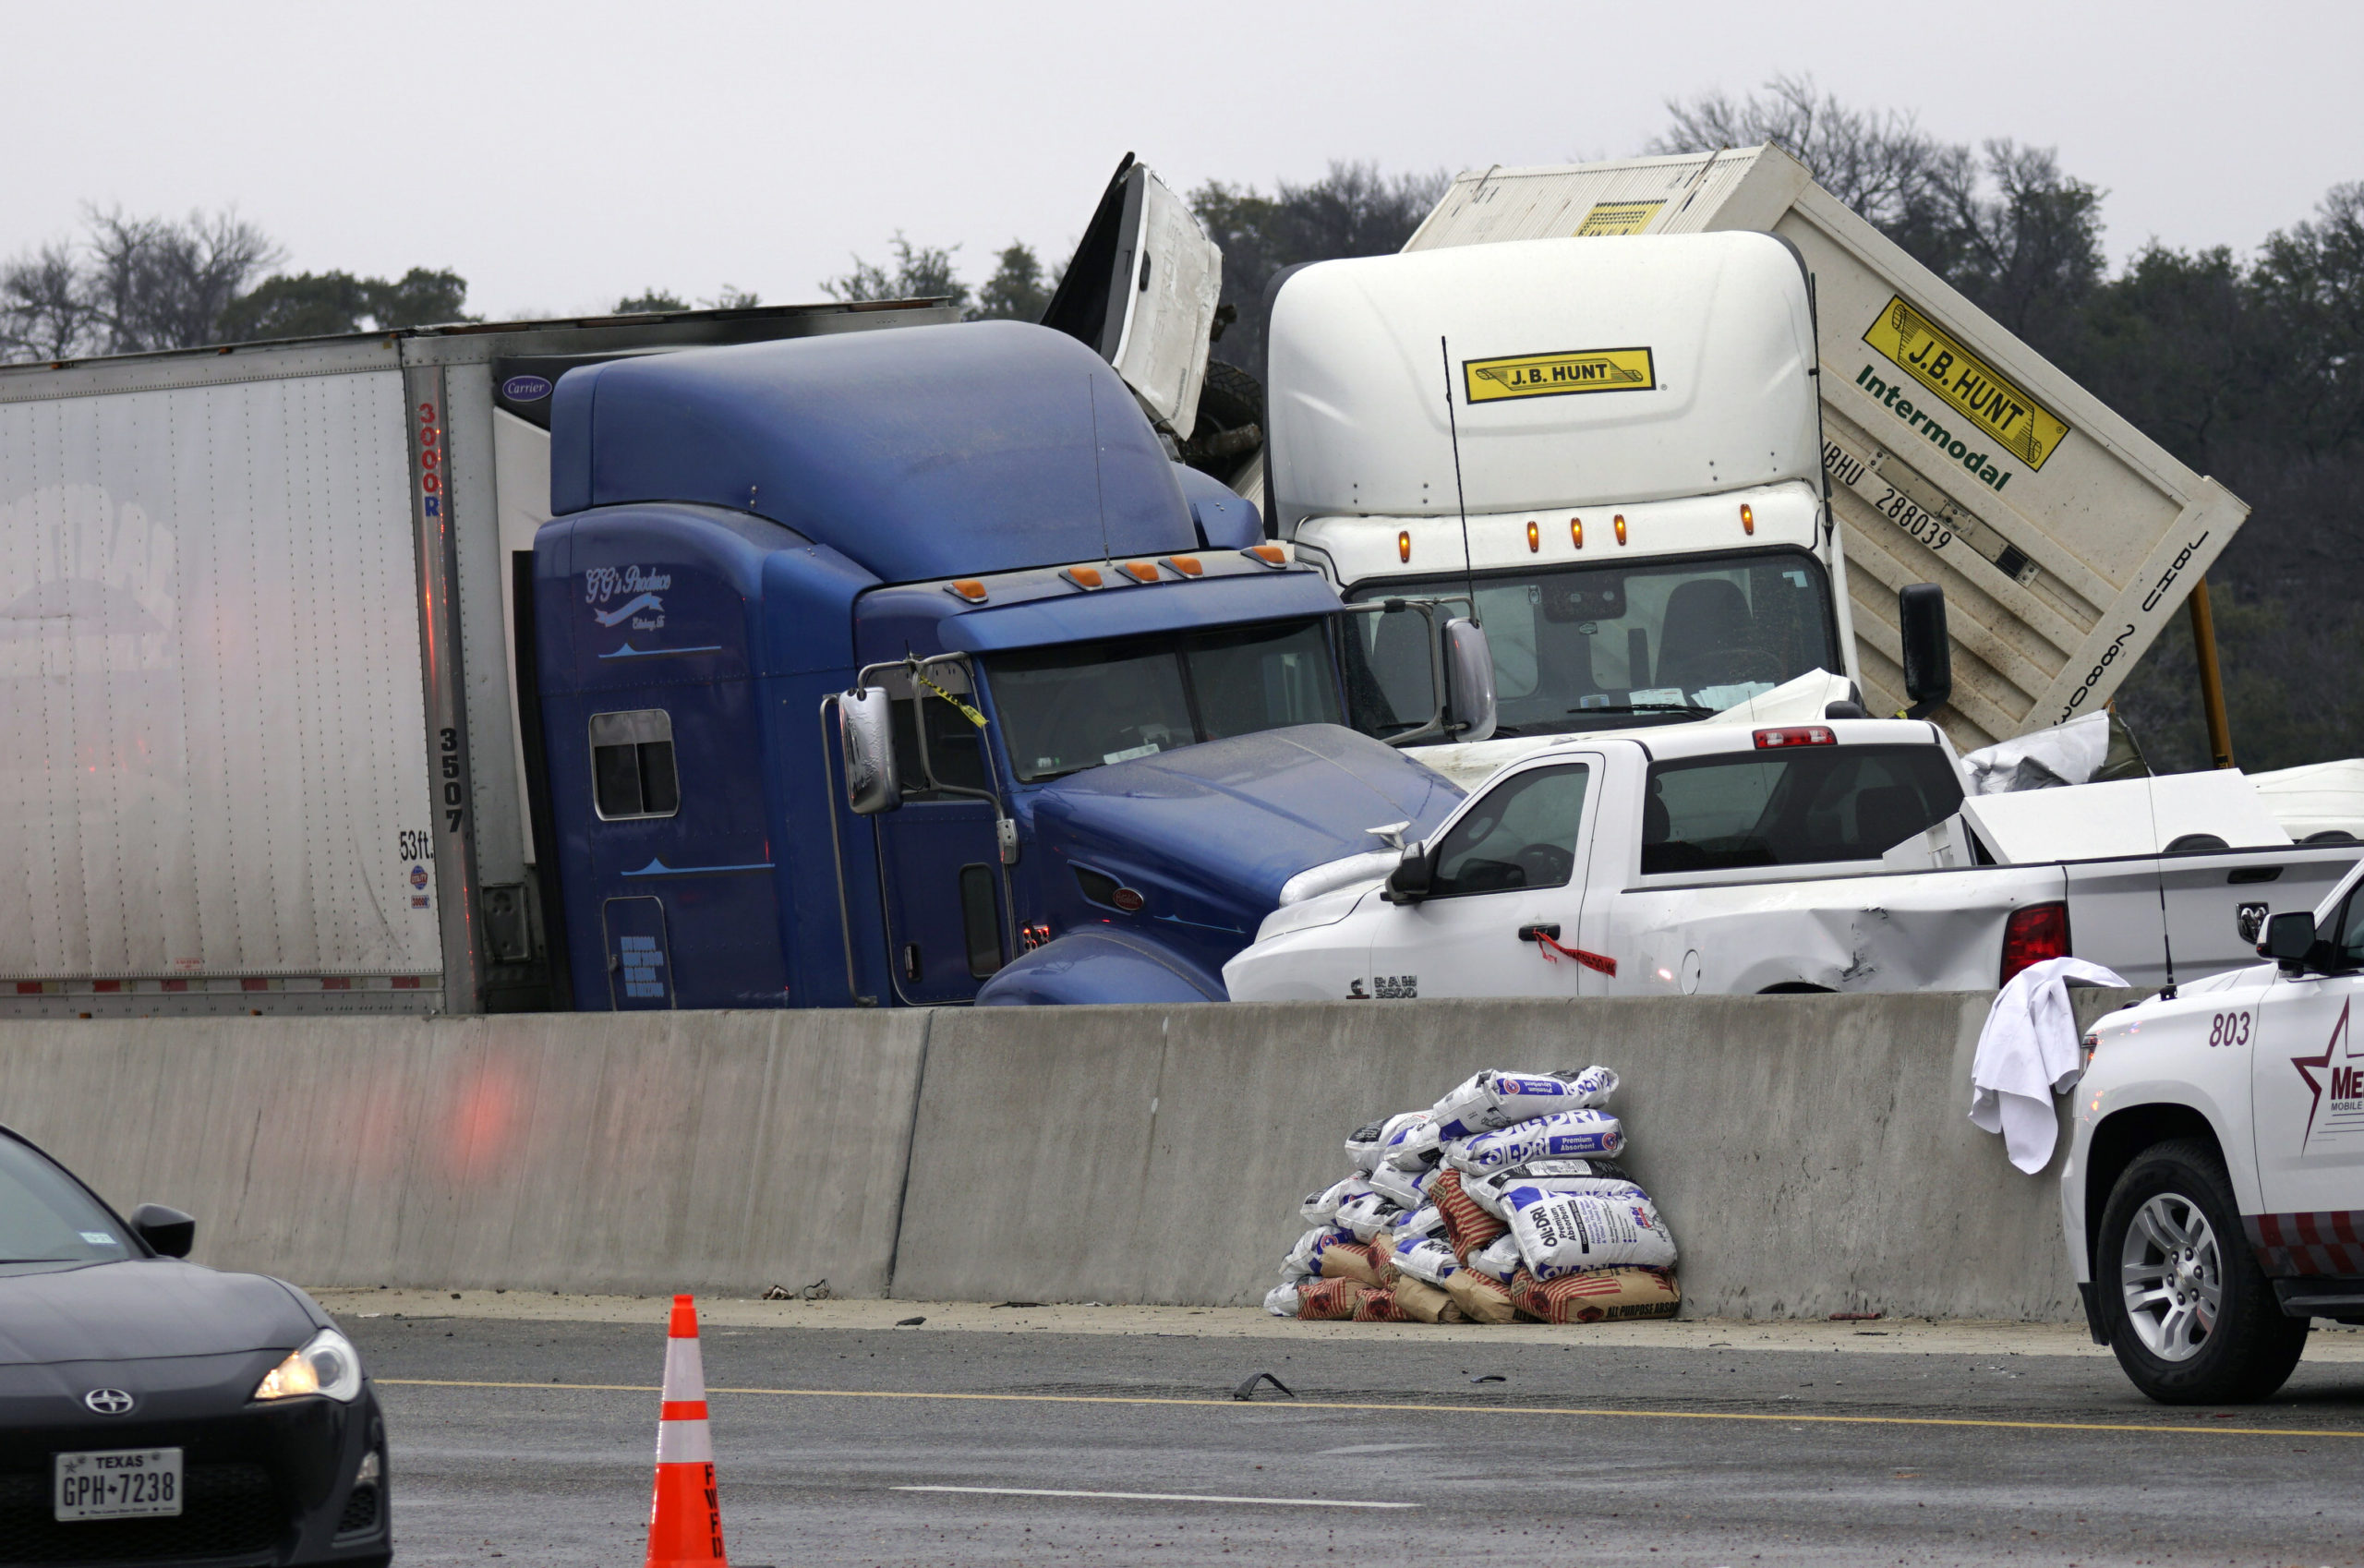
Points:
x=2289, y=937
x=1469, y=708
x=866, y=731
x=1928, y=654
x=1409, y=882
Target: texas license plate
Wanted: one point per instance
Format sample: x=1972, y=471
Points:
x=119, y=1483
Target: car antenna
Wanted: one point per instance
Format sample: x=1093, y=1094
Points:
x=2159, y=873
x=1460, y=501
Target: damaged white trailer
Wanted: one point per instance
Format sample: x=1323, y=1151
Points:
x=1956, y=455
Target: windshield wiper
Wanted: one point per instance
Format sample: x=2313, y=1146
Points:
x=5, y=1261
x=1646, y=707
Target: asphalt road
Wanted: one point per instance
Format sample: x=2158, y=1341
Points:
x=1697, y=1450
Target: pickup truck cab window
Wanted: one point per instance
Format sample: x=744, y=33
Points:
x=1084, y=705
x=1522, y=833
x=1794, y=807
x=1597, y=647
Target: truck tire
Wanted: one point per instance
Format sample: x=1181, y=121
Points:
x=2193, y=1319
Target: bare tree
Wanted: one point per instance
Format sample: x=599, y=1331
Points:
x=1882, y=164
x=154, y=283
x=46, y=313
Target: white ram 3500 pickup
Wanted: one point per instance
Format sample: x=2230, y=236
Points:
x=1718, y=858
x=2213, y=1196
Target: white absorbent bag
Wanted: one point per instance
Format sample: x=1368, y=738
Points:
x=1367, y=1215
x=1498, y=1260
x=1321, y=1208
x=1563, y=1135
x=1281, y=1302
x=1305, y=1259
x=1412, y=1146
x=1370, y=1141
x=1603, y=1178
x=1425, y=1220
x=1424, y=1258
x=1561, y=1232
x=1399, y=1187
x=1495, y=1099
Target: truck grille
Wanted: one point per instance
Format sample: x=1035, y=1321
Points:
x=228, y=1510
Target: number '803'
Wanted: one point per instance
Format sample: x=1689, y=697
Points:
x=2229, y=1029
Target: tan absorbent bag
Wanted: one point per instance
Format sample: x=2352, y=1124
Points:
x=1330, y=1300
x=1425, y=1302
x=1348, y=1260
x=1468, y=1227
x=1597, y=1295
x=1480, y=1299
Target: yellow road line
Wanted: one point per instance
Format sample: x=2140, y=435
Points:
x=1427, y=1409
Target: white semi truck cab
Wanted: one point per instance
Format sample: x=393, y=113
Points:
x=1614, y=452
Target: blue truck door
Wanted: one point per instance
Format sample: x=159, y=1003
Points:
x=947, y=899
x=640, y=966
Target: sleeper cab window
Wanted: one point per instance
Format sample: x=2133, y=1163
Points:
x=632, y=765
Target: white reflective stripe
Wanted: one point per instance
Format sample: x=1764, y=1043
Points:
x=684, y=1371
x=684, y=1443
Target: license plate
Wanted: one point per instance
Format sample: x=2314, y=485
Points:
x=119, y=1483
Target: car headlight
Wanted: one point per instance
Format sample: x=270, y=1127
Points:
x=326, y=1364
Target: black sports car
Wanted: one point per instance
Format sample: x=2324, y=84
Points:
x=154, y=1411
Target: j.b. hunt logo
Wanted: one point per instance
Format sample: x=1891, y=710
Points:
x=2000, y=410
x=1558, y=375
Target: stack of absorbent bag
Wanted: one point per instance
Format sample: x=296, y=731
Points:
x=1503, y=1200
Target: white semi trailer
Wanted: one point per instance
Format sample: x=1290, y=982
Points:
x=2063, y=536
x=263, y=751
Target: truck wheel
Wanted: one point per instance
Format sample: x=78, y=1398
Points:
x=2193, y=1319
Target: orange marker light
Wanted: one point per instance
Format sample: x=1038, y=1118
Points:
x=1747, y=518
x=1404, y=544
x=1185, y=565
x=967, y=588
x=1576, y=532
x=1271, y=555
x=1621, y=527
x=1139, y=571
x=1083, y=576
x=1534, y=539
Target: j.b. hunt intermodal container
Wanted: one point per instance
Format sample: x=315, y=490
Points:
x=256, y=664
x=1955, y=454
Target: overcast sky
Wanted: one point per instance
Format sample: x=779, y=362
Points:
x=560, y=155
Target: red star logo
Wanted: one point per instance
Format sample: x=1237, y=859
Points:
x=2338, y=1032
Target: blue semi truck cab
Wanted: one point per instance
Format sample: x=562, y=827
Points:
x=907, y=669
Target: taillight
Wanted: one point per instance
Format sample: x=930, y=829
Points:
x=2032, y=934
x=1797, y=735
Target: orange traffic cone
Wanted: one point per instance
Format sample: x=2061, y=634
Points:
x=684, y=1514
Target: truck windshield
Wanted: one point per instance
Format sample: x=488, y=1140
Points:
x=1600, y=648
x=1082, y=704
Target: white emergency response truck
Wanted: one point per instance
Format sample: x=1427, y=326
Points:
x=1839, y=856
x=2214, y=1196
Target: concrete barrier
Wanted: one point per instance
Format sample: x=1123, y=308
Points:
x=642, y=1152
x=1811, y=1153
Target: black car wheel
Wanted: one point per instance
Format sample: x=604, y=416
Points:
x=2193, y=1319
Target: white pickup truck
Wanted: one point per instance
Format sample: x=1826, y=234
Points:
x=1720, y=858
x=2213, y=1196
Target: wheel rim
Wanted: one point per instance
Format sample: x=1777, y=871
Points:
x=2172, y=1277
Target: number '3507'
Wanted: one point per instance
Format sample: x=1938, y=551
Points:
x=2229, y=1029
